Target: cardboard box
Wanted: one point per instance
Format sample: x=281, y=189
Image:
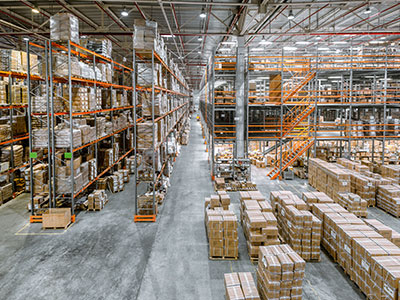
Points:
x=56, y=218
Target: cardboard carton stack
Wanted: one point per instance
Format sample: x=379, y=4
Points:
x=145, y=136
x=391, y=171
x=97, y=200
x=258, y=222
x=221, y=227
x=353, y=203
x=298, y=227
x=64, y=27
x=384, y=231
x=315, y=197
x=17, y=151
x=40, y=178
x=219, y=184
x=357, y=248
x=240, y=286
x=145, y=204
x=280, y=273
x=62, y=138
x=388, y=198
x=144, y=34
x=5, y=132
x=6, y=192
x=328, y=178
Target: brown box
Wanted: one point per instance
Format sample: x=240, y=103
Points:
x=56, y=218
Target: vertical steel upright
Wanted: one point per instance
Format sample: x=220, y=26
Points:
x=134, y=127
x=71, y=129
x=153, y=132
x=350, y=98
x=52, y=122
x=212, y=122
x=385, y=127
x=28, y=79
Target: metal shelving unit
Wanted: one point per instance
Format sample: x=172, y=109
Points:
x=158, y=107
x=64, y=186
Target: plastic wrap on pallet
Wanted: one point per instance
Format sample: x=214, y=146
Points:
x=60, y=65
x=144, y=34
x=100, y=46
x=64, y=27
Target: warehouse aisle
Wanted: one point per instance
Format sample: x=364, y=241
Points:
x=179, y=267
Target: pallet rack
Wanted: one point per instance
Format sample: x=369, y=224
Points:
x=161, y=100
x=311, y=108
x=63, y=164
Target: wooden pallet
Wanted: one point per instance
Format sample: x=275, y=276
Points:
x=59, y=227
x=223, y=257
x=94, y=209
x=254, y=260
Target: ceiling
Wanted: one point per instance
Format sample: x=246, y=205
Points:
x=192, y=39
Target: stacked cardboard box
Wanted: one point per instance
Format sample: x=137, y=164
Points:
x=62, y=138
x=6, y=192
x=391, y=171
x=280, y=273
x=353, y=203
x=328, y=178
x=39, y=201
x=311, y=198
x=64, y=27
x=144, y=35
x=18, y=152
x=92, y=169
x=5, y=132
x=40, y=178
x=384, y=231
x=145, y=137
x=145, y=204
x=388, y=198
x=221, y=226
x=240, y=286
x=298, y=227
x=97, y=200
x=258, y=222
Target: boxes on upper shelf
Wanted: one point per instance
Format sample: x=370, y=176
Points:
x=144, y=34
x=64, y=27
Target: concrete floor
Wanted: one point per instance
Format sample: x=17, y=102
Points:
x=105, y=255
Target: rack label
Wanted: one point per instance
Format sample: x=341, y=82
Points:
x=67, y=155
x=33, y=155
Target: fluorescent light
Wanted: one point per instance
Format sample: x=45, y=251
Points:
x=168, y=35
x=199, y=52
x=26, y=39
x=377, y=42
x=202, y=15
x=124, y=13
x=287, y=48
x=228, y=43
x=290, y=16
x=200, y=38
x=225, y=49
x=257, y=49
x=338, y=50
x=383, y=38
x=340, y=42
x=335, y=77
x=318, y=38
x=265, y=42
x=302, y=43
x=322, y=79
x=367, y=11
x=323, y=49
x=35, y=10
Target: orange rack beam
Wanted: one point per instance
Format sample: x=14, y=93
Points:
x=144, y=218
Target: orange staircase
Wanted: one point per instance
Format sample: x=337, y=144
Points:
x=301, y=140
x=291, y=151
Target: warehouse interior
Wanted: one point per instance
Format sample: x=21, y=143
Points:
x=175, y=149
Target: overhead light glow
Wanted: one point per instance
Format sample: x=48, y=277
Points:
x=257, y=49
x=225, y=49
x=26, y=39
x=287, y=48
x=124, y=13
x=318, y=38
x=340, y=42
x=200, y=38
x=302, y=43
x=202, y=15
x=35, y=10
x=323, y=49
x=229, y=43
x=335, y=77
x=265, y=42
x=377, y=42
x=290, y=16
x=367, y=11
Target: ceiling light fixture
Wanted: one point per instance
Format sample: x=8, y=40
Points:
x=289, y=48
x=225, y=49
x=302, y=43
x=35, y=10
x=202, y=15
x=323, y=49
x=367, y=11
x=265, y=42
x=340, y=42
x=318, y=38
x=257, y=49
x=124, y=13
x=229, y=43
x=290, y=16
x=199, y=38
x=26, y=39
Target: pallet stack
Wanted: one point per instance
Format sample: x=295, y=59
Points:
x=280, y=273
x=367, y=257
x=354, y=204
x=384, y=231
x=388, y=198
x=391, y=171
x=221, y=227
x=240, y=286
x=311, y=198
x=297, y=226
x=97, y=200
x=258, y=222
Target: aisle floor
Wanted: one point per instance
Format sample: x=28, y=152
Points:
x=105, y=255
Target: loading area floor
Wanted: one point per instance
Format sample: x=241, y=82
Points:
x=105, y=255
